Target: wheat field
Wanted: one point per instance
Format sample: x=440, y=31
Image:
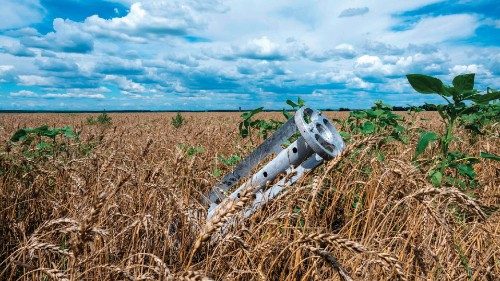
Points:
x=129, y=208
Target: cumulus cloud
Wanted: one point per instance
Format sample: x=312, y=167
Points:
x=351, y=12
x=263, y=68
x=21, y=32
x=20, y=13
x=18, y=50
x=119, y=66
x=436, y=29
x=92, y=93
x=379, y=68
x=180, y=52
x=154, y=19
x=471, y=68
x=56, y=65
x=35, y=80
x=75, y=95
x=125, y=85
x=67, y=37
x=6, y=72
x=345, y=51
x=24, y=93
x=140, y=22
x=263, y=48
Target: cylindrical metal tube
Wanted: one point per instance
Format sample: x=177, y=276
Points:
x=293, y=155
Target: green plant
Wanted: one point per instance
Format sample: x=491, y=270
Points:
x=265, y=126
x=479, y=117
x=463, y=104
x=41, y=142
x=103, y=119
x=178, y=120
x=230, y=160
x=191, y=150
x=378, y=120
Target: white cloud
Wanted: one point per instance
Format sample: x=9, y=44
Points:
x=351, y=12
x=75, y=95
x=20, y=13
x=67, y=37
x=153, y=19
x=16, y=49
x=268, y=49
x=471, y=68
x=435, y=30
x=24, y=93
x=35, y=80
x=56, y=64
x=263, y=48
x=4, y=69
x=90, y=93
x=125, y=84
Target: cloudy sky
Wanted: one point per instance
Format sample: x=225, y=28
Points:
x=210, y=54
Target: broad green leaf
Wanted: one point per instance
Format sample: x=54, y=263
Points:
x=217, y=172
x=378, y=112
x=292, y=104
x=300, y=102
x=249, y=114
x=436, y=178
x=19, y=135
x=464, y=82
x=495, y=95
x=466, y=170
x=491, y=156
x=345, y=135
x=68, y=132
x=423, y=142
x=358, y=114
x=47, y=132
x=425, y=84
x=368, y=128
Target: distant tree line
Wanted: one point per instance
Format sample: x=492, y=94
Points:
x=424, y=107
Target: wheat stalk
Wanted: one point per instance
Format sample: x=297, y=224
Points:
x=189, y=276
x=328, y=257
x=334, y=239
x=226, y=210
x=450, y=193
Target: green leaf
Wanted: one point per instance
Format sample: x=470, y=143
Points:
x=423, y=142
x=486, y=97
x=243, y=130
x=358, y=114
x=491, y=156
x=43, y=145
x=292, y=104
x=464, y=82
x=286, y=114
x=345, y=135
x=19, y=135
x=68, y=132
x=436, y=178
x=300, y=102
x=217, y=172
x=368, y=128
x=466, y=170
x=425, y=84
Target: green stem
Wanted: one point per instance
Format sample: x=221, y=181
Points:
x=448, y=136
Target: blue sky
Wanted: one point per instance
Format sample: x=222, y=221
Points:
x=211, y=54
